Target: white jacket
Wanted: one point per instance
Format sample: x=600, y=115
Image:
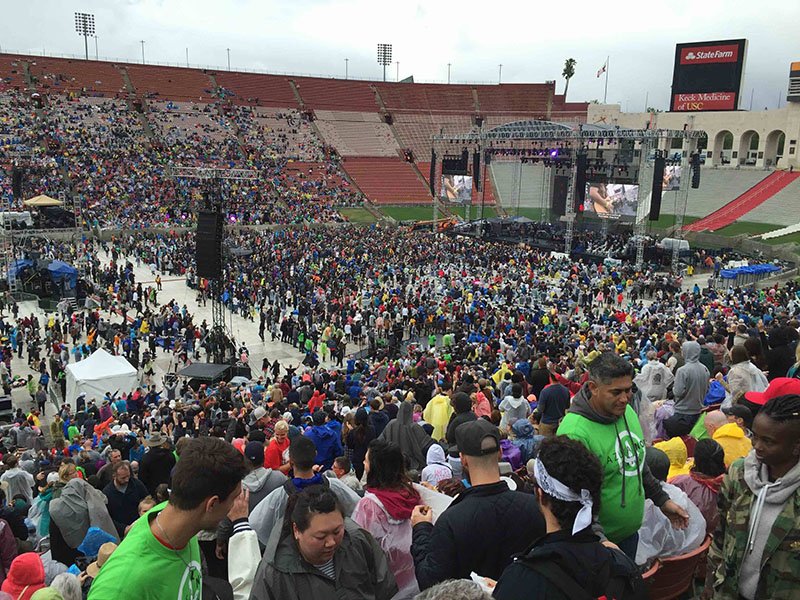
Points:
x=243, y=558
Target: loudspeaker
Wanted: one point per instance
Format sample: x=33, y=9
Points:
x=487, y=159
x=208, y=249
x=658, y=186
x=580, y=182
x=432, y=173
x=560, y=186
x=476, y=170
x=16, y=184
x=695, y=160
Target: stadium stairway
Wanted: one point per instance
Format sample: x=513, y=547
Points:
x=746, y=202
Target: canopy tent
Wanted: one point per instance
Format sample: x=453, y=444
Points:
x=100, y=373
x=43, y=200
x=62, y=272
x=204, y=371
x=18, y=265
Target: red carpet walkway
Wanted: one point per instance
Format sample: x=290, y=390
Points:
x=752, y=198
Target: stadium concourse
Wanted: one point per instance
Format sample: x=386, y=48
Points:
x=428, y=415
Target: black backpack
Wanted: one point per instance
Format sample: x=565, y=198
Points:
x=624, y=581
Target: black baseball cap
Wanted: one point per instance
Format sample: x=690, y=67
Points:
x=740, y=411
x=254, y=452
x=470, y=436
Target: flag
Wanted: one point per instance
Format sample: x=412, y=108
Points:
x=603, y=69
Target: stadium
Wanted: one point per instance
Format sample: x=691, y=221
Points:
x=275, y=336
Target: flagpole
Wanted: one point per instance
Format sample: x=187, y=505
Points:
x=605, y=93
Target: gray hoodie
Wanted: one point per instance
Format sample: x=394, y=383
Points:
x=691, y=381
x=770, y=500
x=513, y=408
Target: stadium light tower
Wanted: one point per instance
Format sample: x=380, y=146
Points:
x=84, y=25
x=384, y=57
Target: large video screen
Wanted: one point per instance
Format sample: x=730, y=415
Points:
x=611, y=200
x=456, y=188
x=672, y=178
x=708, y=75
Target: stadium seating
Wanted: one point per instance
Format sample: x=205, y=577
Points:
x=12, y=74
x=530, y=99
x=415, y=130
x=450, y=99
x=57, y=75
x=741, y=206
x=336, y=94
x=256, y=89
x=387, y=180
x=357, y=134
x=171, y=83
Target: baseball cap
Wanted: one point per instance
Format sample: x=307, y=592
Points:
x=780, y=386
x=740, y=411
x=254, y=452
x=259, y=413
x=470, y=436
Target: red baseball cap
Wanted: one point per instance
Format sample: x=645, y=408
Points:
x=780, y=386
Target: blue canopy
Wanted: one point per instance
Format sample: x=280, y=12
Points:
x=749, y=270
x=61, y=271
x=19, y=265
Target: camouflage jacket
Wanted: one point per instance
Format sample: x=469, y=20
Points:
x=780, y=564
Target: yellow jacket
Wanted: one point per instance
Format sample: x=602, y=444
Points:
x=733, y=441
x=437, y=413
x=675, y=449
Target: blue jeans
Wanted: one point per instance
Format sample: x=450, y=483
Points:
x=629, y=545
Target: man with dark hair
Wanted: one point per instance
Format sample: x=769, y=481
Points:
x=754, y=550
x=160, y=556
x=266, y=518
x=484, y=526
x=602, y=419
x=124, y=494
x=569, y=562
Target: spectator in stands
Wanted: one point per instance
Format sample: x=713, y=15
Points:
x=488, y=523
x=757, y=509
x=657, y=537
x=385, y=510
x=205, y=484
x=599, y=415
x=322, y=553
x=690, y=387
x=327, y=442
x=702, y=483
x=728, y=435
x=266, y=517
x=156, y=466
x=124, y=494
x=569, y=561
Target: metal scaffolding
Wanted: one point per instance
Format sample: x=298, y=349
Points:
x=556, y=144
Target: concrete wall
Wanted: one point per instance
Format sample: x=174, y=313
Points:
x=767, y=124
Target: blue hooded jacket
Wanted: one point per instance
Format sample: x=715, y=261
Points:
x=328, y=444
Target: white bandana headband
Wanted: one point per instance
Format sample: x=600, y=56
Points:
x=553, y=487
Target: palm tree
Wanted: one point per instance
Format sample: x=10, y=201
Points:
x=568, y=72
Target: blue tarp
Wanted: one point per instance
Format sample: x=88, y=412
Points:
x=19, y=265
x=749, y=270
x=61, y=271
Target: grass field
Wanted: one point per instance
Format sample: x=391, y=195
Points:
x=358, y=215
x=425, y=213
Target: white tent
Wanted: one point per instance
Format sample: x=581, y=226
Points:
x=100, y=373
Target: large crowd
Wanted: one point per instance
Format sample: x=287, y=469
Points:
x=117, y=161
x=464, y=419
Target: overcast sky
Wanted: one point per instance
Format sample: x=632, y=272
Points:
x=530, y=39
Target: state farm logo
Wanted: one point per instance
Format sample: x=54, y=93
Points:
x=709, y=54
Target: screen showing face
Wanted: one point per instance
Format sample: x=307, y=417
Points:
x=456, y=188
x=672, y=178
x=611, y=200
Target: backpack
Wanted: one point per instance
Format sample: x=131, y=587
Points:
x=624, y=582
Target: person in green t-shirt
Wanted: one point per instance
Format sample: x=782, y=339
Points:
x=602, y=418
x=160, y=556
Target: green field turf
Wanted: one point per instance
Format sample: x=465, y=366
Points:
x=358, y=215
